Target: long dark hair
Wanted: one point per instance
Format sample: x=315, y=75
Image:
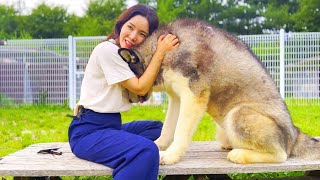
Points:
x=140, y=9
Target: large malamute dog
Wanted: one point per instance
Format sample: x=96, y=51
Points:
x=212, y=71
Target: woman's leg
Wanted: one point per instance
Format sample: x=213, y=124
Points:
x=131, y=156
x=147, y=129
x=99, y=138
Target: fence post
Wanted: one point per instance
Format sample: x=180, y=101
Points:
x=24, y=78
x=282, y=64
x=74, y=64
x=71, y=73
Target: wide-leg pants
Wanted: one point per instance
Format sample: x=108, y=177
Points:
x=128, y=149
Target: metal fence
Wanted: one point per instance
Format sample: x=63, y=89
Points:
x=51, y=70
x=34, y=71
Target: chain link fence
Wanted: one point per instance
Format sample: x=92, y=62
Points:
x=50, y=71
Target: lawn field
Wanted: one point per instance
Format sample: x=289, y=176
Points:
x=21, y=126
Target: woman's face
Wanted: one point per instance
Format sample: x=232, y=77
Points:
x=134, y=32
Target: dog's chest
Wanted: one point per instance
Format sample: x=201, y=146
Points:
x=172, y=80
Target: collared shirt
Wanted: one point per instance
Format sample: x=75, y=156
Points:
x=100, y=90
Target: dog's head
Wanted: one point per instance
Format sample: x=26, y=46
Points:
x=133, y=59
x=137, y=65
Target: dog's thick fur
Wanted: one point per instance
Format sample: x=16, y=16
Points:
x=212, y=71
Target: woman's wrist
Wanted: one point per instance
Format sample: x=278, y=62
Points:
x=158, y=55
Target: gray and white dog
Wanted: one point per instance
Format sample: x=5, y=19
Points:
x=212, y=71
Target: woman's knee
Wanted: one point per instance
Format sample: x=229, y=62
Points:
x=157, y=124
x=150, y=152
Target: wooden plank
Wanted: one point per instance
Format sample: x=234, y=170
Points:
x=201, y=158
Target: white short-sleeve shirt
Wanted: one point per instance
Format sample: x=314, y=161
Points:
x=100, y=90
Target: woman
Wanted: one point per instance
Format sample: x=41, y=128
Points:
x=96, y=133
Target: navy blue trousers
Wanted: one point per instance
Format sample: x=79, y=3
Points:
x=127, y=148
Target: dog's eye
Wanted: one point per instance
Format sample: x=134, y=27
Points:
x=134, y=59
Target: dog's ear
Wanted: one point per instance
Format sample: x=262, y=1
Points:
x=128, y=55
x=125, y=54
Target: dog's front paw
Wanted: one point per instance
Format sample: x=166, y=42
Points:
x=226, y=147
x=238, y=156
x=167, y=158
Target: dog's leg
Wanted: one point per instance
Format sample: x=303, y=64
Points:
x=255, y=137
x=192, y=109
x=170, y=122
x=222, y=138
x=248, y=156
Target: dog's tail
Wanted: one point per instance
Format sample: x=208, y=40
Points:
x=306, y=147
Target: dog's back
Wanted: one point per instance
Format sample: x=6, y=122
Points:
x=212, y=58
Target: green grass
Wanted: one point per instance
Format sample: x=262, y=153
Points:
x=204, y=132
x=21, y=126
x=307, y=118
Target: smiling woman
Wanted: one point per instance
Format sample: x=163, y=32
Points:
x=96, y=132
x=134, y=32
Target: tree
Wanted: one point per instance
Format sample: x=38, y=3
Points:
x=240, y=17
x=307, y=17
x=170, y=10
x=278, y=14
x=8, y=21
x=100, y=17
x=231, y=15
x=73, y=25
x=209, y=11
x=47, y=22
x=236, y=16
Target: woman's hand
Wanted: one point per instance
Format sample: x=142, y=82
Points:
x=142, y=85
x=166, y=43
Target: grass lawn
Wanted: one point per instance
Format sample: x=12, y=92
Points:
x=21, y=126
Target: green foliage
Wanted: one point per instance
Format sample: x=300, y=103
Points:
x=47, y=22
x=73, y=27
x=235, y=16
x=208, y=11
x=169, y=10
x=43, y=97
x=278, y=17
x=242, y=18
x=89, y=22
x=21, y=126
x=100, y=17
x=5, y=101
x=269, y=49
x=8, y=21
x=21, y=35
x=307, y=16
x=265, y=175
x=105, y=9
x=306, y=118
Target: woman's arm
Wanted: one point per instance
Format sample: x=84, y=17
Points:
x=142, y=85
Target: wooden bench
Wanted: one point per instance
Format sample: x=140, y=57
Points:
x=202, y=158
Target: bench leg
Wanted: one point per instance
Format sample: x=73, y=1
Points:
x=176, y=177
x=218, y=177
x=38, y=178
x=313, y=173
x=198, y=177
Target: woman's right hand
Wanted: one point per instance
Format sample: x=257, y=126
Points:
x=142, y=85
x=166, y=43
